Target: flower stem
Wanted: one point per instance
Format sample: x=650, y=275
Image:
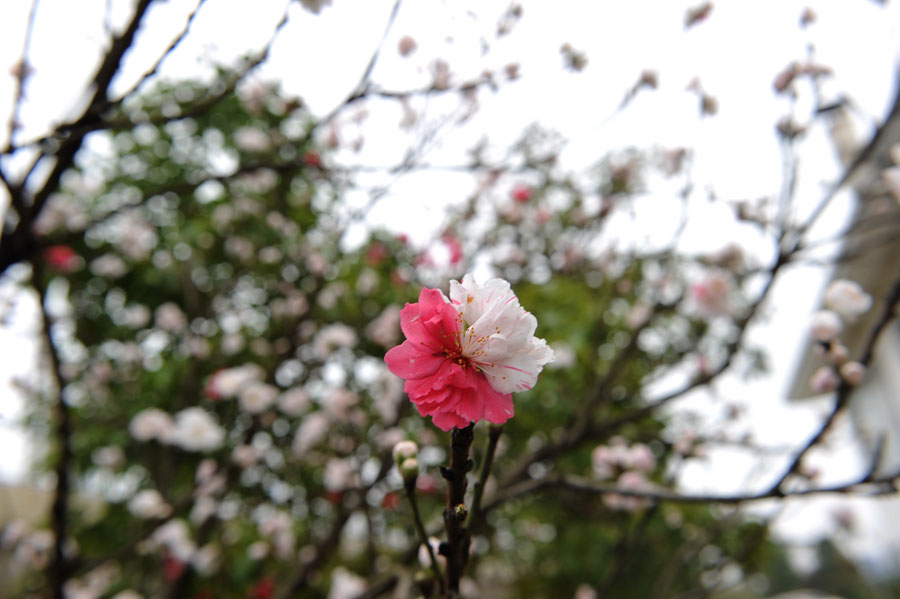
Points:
x=456, y=549
x=410, y=487
x=477, y=515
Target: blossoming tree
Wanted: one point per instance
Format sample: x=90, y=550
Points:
x=244, y=402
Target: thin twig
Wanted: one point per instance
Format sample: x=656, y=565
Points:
x=410, y=488
x=165, y=54
x=477, y=516
x=22, y=73
x=882, y=485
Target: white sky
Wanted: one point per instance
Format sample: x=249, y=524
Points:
x=735, y=54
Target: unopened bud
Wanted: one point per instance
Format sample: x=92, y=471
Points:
x=461, y=511
x=404, y=450
x=824, y=380
x=853, y=372
x=409, y=468
x=837, y=352
x=825, y=325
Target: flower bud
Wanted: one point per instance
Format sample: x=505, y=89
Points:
x=825, y=325
x=404, y=450
x=461, y=511
x=847, y=298
x=409, y=468
x=853, y=372
x=837, y=353
x=824, y=380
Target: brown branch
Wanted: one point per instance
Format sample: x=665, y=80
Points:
x=171, y=48
x=65, y=154
x=22, y=72
x=456, y=550
x=409, y=486
x=844, y=391
x=866, y=153
x=60, y=565
x=867, y=484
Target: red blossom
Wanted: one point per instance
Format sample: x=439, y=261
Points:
x=263, y=588
x=61, y=258
x=172, y=569
x=311, y=158
x=455, y=246
x=426, y=484
x=210, y=390
x=377, y=253
x=391, y=501
x=522, y=194
x=334, y=497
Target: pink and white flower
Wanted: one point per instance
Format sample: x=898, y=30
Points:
x=465, y=355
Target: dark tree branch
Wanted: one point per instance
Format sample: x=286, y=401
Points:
x=65, y=154
x=456, y=550
x=162, y=57
x=843, y=392
x=864, y=485
x=60, y=565
x=22, y=71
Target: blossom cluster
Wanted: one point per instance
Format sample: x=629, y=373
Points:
x=629, y=465
x=845, y=302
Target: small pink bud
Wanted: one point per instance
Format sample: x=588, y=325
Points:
x=853, y=373
x=406, y=46
x=825, y=325
x=837, y=353
x=824, y=380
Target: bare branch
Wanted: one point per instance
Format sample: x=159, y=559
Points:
x=165, y=54
x=867, y=485
x=843, y=393
x=22, y=71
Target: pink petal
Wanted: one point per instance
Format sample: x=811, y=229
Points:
x=409, y=361
x=447, y=420
x=498, y=407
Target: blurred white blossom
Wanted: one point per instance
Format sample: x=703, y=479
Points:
x=196, y=430
x=848, y=299
x=149, y=504
x=151, y=423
